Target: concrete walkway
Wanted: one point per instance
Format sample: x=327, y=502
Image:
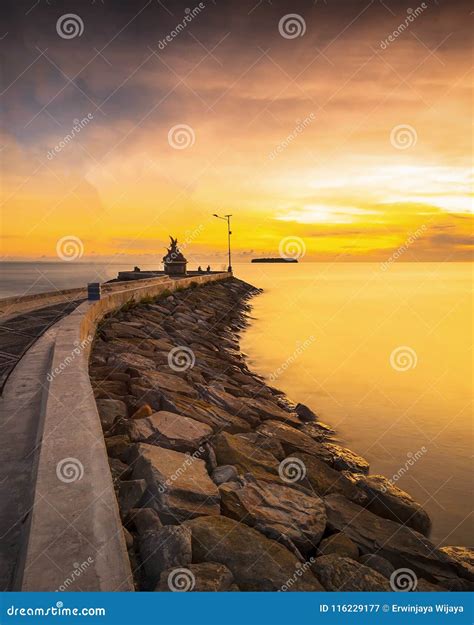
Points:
x=20, y=425
x=18, y=333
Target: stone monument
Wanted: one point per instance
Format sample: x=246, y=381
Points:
x=174, y=261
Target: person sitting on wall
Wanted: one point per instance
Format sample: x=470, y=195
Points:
x=208, y=269
x=136, y=269
x=200, y=269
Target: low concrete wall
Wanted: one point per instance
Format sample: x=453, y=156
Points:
x=75, y=521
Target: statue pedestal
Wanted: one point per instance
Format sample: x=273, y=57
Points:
x=175, y=267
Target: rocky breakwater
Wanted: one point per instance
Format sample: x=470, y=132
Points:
x=224, y=484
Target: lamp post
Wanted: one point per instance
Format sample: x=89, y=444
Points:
x=229, y=232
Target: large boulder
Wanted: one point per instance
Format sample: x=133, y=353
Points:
x=324, y=480
x=257, y=562
x=344, y=459
x=277, y=511
x=400, y=545
x=232, y=449
x=178, y=483
x=392, y=503
x=293, y=440
x=200, y=410
x=383, y=566
x=168, y=382
x=463, y=558
x=235, y=405
x=169, y=430
x=170, y=546
x=339, y=544
x=129, y=494
x=204, y=577
x=109, y=410
x=342, y=574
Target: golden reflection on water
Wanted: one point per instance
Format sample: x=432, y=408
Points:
x=385, y=357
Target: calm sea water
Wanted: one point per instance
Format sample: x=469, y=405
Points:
x=385, y=357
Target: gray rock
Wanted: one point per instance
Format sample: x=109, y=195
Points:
x=168, y=382
x=231, y=449
x=169, y=547
x=169, y=430
x=203, y=577
x=383, y=566
x=305, y=414
x=277, y=511
x=144, y=520
x=129, y=494
x=463, y=559
x=339, y=544
x=256, y=562
x=293, y=440
x=109, y=410
x=338, y=574
x=344, y=459
x=225, y=473
x=400, y=545
x=324, y=480
x=178, y=483
x=392, y=503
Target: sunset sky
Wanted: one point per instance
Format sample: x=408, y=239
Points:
x=337, y=135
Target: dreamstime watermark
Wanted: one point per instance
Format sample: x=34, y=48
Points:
x=292, y=248
x=69, y=470
x=182, y=469
x=292, y=470
x=297, y=130
x=403, y=358
x=79, y=347
x=403, y=137
x=78, y=125
x=69, y=248
x=403, y=580
x=291, y=26
x=78, y=570
x=190, y=236
x=301, y=348
x=412, y=14
x=181, y=580
x=409, y=241
x=301, y=569
x=181, y=358
x=181, y=137
x=190, y=14
x=69, y=26
x=411, y=461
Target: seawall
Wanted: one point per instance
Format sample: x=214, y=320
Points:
x=72, y=537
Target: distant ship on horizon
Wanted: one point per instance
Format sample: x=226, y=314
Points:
x=278, y=259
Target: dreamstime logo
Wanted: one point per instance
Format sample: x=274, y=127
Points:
x=78, y=570
x=181, y=137
x=292, y=248
x=190, y=14
x=409, y=241
x=297, y=130
x=300, y=570
x=69, y=248
x=79, y=347
x=181, y=580
x=403, y=358
x=302, y=347
x=412, y=14
x=403, y=580
x=188, y=462
x=69, y=470
x=291, y=26
x=78, y=125
x=69, y=26
x=403, y=137
x=181, y=358
x=292, y=470
x=412, y=459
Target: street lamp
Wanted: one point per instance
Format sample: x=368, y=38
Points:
x=229, y=232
